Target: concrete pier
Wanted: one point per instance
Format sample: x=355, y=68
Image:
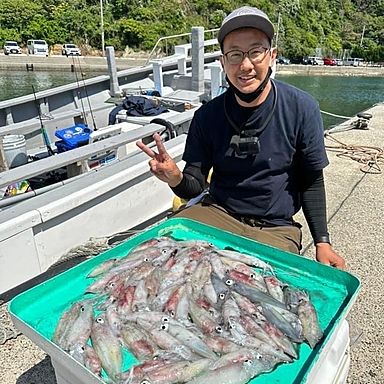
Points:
x=355, y=216
x=62, y=63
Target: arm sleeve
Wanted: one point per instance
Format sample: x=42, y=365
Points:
x=193, y=182
x=314, y=205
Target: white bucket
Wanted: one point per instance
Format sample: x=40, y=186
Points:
x=15, y=152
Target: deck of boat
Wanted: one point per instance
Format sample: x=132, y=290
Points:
x=355, y=217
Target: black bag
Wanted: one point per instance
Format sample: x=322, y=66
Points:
x=142, y=106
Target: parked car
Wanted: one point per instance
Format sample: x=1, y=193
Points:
x=329, y=61
x=296, y=60
x=11, y=47
x=37, y=47
x=70, y=49
x=339, y=62
x=283, y=60
x=315, y=60
x=354, y=61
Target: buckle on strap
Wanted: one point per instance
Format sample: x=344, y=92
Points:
x=253, y=222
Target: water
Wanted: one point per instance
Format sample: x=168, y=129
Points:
x=19, y=83
x=341, y=95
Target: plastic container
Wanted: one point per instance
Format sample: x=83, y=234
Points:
x=15, y=152
x=72, y=137
x=36, y=311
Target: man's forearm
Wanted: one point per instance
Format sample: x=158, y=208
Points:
x=314, y=206
x=192, y=183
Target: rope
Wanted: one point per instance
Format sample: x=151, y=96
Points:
x=334, y=115
x=95, y=246
x=370, y=157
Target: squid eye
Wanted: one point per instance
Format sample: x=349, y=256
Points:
x=145, y=382
x=146, y=259
x=247, y=362
x=82, y=308
x=252, y=276
x=165, y=319
x=100, y=320
x=172, y=313
x=229, y=282
x=222, y=296
x=164, y=327
x=218, y=329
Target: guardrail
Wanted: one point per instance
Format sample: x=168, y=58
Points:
x=180, y=37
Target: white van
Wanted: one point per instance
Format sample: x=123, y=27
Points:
x=37, y=47
x=355, y=61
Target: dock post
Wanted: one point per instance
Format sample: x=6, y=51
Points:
x=158, y=75
x=197, y=48
x=216, y=78
x=114, y=87
x=3, y=160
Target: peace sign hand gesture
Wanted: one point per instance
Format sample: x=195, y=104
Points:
x=161, y=164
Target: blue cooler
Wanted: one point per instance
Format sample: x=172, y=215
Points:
x=72, y=137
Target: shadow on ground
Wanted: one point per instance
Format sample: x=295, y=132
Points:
x=42, y=373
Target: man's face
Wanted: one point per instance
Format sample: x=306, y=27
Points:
x=246, y=72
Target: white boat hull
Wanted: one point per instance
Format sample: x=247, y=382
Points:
x=36, y=233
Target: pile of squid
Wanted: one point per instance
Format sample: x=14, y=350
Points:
x=189, y=312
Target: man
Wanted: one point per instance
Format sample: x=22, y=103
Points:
x=263, y=140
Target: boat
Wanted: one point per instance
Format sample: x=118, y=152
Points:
x=108, y=174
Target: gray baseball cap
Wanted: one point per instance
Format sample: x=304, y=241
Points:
x=245, y=17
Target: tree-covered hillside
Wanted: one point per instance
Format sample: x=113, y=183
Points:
x=303, y=25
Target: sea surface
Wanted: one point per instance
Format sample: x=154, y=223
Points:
x=20, y=83
x=340, y=95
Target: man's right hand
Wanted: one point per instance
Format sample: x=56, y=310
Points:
x=161, y=164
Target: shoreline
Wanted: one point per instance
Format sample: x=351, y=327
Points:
x=97, y=63
x=326, y=70
x=30, y=63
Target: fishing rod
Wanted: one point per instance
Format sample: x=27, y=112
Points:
x=86, y=94
x=78, y=92
x=43, y=131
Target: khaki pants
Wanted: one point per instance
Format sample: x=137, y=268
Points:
x=287, y=238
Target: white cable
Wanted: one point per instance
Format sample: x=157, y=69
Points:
x=332, y=114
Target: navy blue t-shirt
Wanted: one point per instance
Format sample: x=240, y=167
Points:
x=266, y=186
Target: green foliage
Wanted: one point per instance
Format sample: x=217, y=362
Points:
x=305, y=26
x=9, y=34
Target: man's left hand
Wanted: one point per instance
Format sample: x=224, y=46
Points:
x=326, y=255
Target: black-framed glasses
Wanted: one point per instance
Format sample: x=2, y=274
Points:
x=256, y=55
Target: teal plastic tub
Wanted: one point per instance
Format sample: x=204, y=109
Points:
x=36, y=311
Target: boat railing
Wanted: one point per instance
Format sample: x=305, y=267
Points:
x=83, y=153
x=166, y=45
